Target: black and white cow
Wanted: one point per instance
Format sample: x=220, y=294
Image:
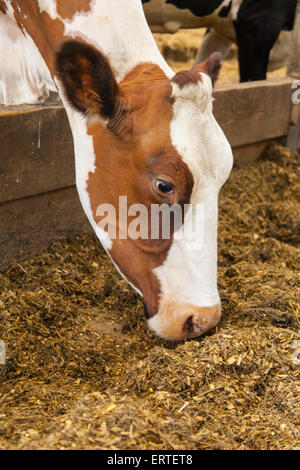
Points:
x=260, y=28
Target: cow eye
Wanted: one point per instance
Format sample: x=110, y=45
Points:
x=164, y=187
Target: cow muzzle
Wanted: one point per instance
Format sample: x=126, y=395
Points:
x=180, y=321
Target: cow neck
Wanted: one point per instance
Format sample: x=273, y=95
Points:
x=118, y=29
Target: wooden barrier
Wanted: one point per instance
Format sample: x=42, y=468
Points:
x=38, y=198
x=252, y=114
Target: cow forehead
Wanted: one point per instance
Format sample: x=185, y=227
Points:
x=196, y=135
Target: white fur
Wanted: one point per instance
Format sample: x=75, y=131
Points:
x=189, y=273
x=113, y=27
x=235, y=9
x=24, y=76
x=49, y=6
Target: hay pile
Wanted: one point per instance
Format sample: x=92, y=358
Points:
x=83, y=371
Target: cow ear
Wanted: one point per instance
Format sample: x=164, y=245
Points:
x=87, y=78
x=211, y=66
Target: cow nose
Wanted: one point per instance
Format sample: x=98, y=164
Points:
x=197, y=325
x=180, y=321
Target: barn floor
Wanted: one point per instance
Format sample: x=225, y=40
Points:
x=83, y=371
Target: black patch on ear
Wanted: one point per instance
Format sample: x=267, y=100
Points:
x=87, y=78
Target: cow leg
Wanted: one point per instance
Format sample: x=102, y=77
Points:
x=212, y=42
x=256, y=34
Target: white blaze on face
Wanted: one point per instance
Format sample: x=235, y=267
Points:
x=189, y=273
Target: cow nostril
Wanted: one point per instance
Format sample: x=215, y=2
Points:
x=192, y=328
x=188, y=326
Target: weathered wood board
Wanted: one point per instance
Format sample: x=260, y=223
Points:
x=253, y=112
x=29, y=225
x=293, y=138
x=36, y=152
x=294, y=65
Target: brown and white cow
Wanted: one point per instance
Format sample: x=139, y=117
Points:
x=139, y=131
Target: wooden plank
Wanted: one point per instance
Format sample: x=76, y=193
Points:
x=27, y=226
x=253, y=112
x=36, y=152
x=249, y=153
x=293, y=138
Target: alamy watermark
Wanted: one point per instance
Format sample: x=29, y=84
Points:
x=296, y=94
x=154, y=222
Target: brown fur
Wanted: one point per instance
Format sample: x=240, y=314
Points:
x=88, y=80
x=211, y=67
x=68, y=8
x=125, y=164
x=2, y=6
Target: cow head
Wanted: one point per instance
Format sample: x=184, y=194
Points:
x=155, y=142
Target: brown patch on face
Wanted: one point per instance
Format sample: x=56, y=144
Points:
x=125, y=166
x=68, y=8
x=186, y=77
x=210, y=66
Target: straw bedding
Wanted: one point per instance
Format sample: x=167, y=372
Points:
x=83, y=370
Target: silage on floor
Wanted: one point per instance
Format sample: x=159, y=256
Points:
x=83, y=370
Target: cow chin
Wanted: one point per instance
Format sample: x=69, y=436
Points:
x=177, y=321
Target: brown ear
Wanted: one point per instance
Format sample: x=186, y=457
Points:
x=87, y=78
x=211, y=66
